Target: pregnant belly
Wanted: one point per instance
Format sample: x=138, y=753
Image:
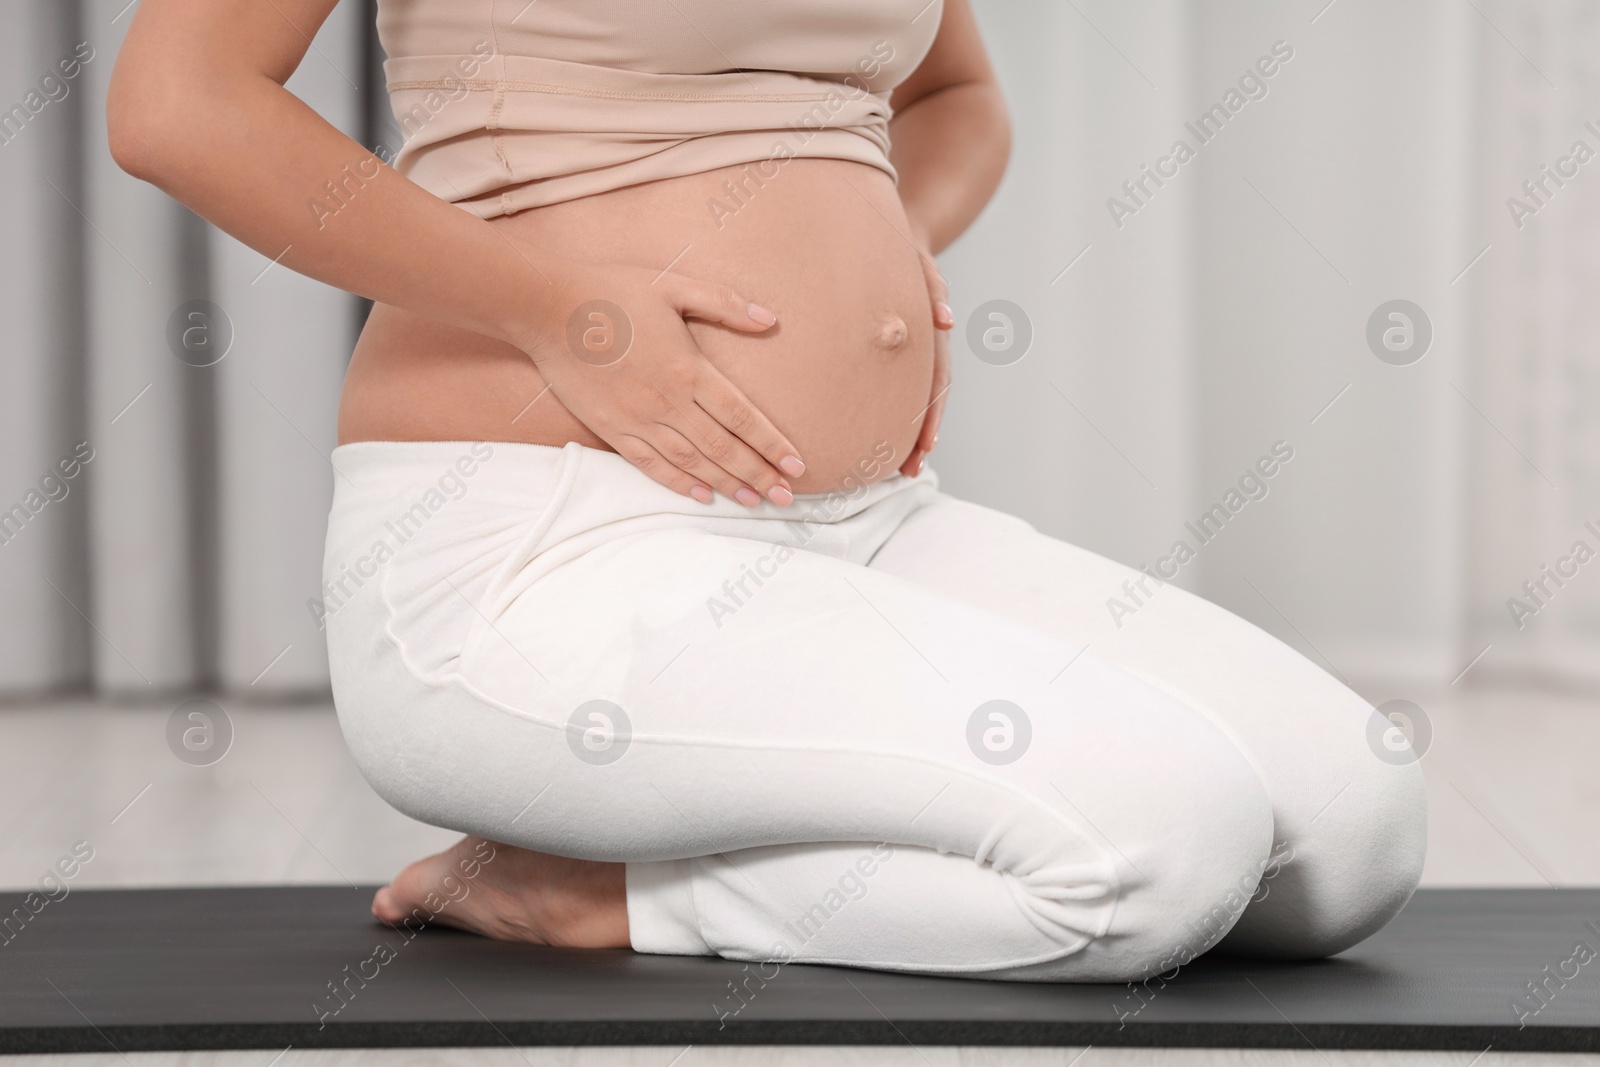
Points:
x=845, y=374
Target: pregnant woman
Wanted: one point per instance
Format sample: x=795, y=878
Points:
x=636, y=573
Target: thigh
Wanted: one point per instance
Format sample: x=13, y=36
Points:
x=1350, y=826
x=831, y=702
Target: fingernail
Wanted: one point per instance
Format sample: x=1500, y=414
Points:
x=780, y=496
x=761, y=314
x=935, y=443
x=746, y=496
x=792, y=466
x=943, y=317
x=916, y=466
x=701, y=493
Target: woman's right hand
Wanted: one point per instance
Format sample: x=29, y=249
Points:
x=615, y=349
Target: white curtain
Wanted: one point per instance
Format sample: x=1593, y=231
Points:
x=1174, y=346
x=1537, y=348
x=185, y=547
x=1230, y=311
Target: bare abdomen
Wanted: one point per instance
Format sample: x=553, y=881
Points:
x=845, y=374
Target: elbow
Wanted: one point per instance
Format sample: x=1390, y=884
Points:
x=132, y=147
x=142, y=115
x=1002, y=145
x=999, y=127
x=134, y=136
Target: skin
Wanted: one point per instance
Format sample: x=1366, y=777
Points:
x=849, y=363
x=771, y=357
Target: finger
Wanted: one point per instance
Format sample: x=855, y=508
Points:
x=725, y=403
x=724, y=449
x=680, y=451
x=930, y=428
x=938, y=289
x=717, y=303
x=928, y=435
x=649, y=460
x=943, y=317
x=924, y=442
x=728, y=451
x=929, y=438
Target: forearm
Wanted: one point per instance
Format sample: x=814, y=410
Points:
x=244, y=153
x=950, y=149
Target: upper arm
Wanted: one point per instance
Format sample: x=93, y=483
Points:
x=180, y=52
x=265, y=37
x=957, y=57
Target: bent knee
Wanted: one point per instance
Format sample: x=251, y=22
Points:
x=1210, y=845
x=1223, y=873
x=1347, y=871
x=1191, y=886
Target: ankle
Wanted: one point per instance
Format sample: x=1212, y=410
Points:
x=587, y=906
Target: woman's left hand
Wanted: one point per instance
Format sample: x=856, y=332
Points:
x=943, y=320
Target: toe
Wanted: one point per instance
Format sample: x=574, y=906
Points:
x=385, y=905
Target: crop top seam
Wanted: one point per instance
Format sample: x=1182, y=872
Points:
x=482, y=85
x=497, y=136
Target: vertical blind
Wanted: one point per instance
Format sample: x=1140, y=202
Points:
x=196, y=382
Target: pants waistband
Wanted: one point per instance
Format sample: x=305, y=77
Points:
x=571, y=490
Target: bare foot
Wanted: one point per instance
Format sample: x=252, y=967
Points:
x=511, y=894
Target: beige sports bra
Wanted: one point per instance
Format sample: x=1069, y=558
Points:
x=511, y=104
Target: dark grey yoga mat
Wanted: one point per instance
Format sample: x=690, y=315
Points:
x=247, y=968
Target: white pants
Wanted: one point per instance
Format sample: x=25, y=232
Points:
x=882, y=727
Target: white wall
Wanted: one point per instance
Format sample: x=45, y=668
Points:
x=1090, y=434
x=1221, y=317
x=1231, y=309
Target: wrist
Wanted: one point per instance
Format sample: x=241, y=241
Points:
x=533, y=314
x=920, y=235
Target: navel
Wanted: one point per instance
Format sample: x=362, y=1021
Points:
x=891, y=333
